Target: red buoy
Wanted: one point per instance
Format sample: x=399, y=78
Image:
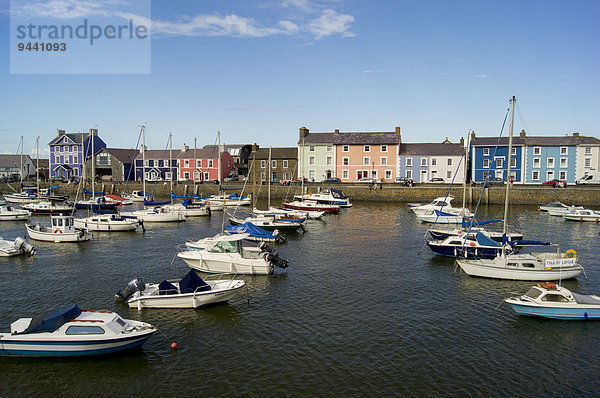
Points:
x=174, y=345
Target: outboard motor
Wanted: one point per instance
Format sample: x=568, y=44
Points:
x=136, y=285
x=275, y=260
x=267, y=248
x=25, y=248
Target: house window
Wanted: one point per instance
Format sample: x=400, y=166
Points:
x=409, y=174
x=345, y=148
x=311, y=160
x=168, y=176
x=499, y=174
x=408, y=162
x=345, y=174
x=388, y=174
x=366, y=161
x=274, y=177
x=499, y=163
x=486, y=151
x=147, y=163
x=263, y=176
x=537, y=150
x=485, y=175
x=75, y=159
x=210, y=163
x=486, y=163
x=206, y=176
x=311, y=148
x=329, y=160
x=513, y=151
x=563, y=150
x=449, y=161
x=186, y=163
x=423, y=162
x=374, y=174
x=563, y=175
x=384, y=148
x=383, y=161
x=513, y=162
x=186, y=175
x=311, y=174
x=550, y=162
x=588, y=150
x=449, y=174
x=285, y=166
x=367, y=148
x=263, y=164
x=345, y=161
x=537, y=162
x=550, y=175
x=287, y=176
x=273, y=164
x=587, y=162
x=563, y=162
x=433, y=161
x=329, y=148
x=76, y=171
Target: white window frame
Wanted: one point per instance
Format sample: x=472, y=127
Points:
x=409, y=174
x=388, y=174
x=550, y=162
x=329, y=148
x=285, y=166
x=329, y=160
x=383, y=160
x=423, y=162
x=366, y=148
x=345, y=161
x=499, y=163
x=537, y=162
x=564, y=163
x=366, y=161
x=537, y=150
x=449, y=161
x=311, y=148
x=345, y=174
x=273, y=164
x=186, y=163
x=564, y=150
x=513, y=163
x=311, y=160
x=449, y=175
x=434, y=161
x=408, y=162
x=549, y=175
x=587, y=163
x=346, y=148
x=210, y=163
x=588, y=150
x=486, y=151
x=384, y=148
x=513, y=151
x=562, y=175
x=486, y=163
x=263, y=165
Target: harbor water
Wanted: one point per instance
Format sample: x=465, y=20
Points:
x=364, y=309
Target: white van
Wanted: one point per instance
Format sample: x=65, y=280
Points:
x=590, y=177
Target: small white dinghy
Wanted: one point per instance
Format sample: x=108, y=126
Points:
x=9, y=213
x=61, y=230
x=70, y=331
x=18, y=247
x=189, y=292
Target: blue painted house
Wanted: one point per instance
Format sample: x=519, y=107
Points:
x=157, y=165
x=489, y=157
x=67, y=150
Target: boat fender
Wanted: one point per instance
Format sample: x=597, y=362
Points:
x=570, y=251
x=547, y=285
x=585, y=316
x=472, y=244
x=133, y=286
x=57, y=231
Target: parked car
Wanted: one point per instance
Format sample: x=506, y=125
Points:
x=495, y=180
x=332, y=180
x=231, y=177
x=366, y=179
x=590, y=177
x=404, y=181
x=437, y=180
x=556, y=183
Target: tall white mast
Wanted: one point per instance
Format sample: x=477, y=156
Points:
x=195, y=167
x=465, y=178
x=269, y=177
x=219, y=160
x=37, y=165
x=171, y=164
x=93, y=170
x=144, y=163
x=21, y=170
x=510, y=137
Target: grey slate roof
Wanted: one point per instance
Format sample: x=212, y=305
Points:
x=77, y=138
x=44, y=163
x=491, y=141
x=201, y=153
x=537, y=141
x=10, y=160
x=276, y=153
x=121, y=154
x=431, y=150
x=366, y=138
x=317, y=138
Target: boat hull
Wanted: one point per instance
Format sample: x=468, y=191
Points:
x=324, y=207
x=490, y=269
x=586, y=218
x=215, y=264
x=106, y=227
x=13, y=217
x=556, y=312
x=42, y=235
x=268, y=225
x=465, y=251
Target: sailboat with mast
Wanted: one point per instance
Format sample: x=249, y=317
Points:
x=523, y=266
x=155, y=213
x=27, y=194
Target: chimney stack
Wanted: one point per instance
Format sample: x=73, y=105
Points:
x=184, y=147
x=60, y=132
x=397, y=130
x=446, y=141
x=575, y=134
x=303, y=132
x=472, y=135
x=337, y=131
x=143, y=148
x=522, y=134
x=462, y=142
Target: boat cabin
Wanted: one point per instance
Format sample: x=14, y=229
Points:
x=233, y=244
x=62, y=224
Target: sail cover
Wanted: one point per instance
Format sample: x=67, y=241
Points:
x=485, y=241
x=54, y=320
x=251, y=229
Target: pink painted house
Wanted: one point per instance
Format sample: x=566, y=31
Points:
x=370, y=154
x=206, y=163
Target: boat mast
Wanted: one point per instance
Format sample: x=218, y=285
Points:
x=171, y=163
x=93, y=170
x=465, y=179
x=269, y=177
x=219, y=159
x=21, y=170
x=195, y=168
x=510, y=137
x=302, y=172
x=37, y=166
x=144, y=163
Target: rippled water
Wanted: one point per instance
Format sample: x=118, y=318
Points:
x=364, y=309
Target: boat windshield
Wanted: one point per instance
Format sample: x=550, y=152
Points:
x=533, y=293
x=225, y=247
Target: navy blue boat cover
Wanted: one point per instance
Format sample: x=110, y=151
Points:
x=54, y=320
x=149, y=203
x=165, y=288
x=485, y=241
x=192, y=283
x=338, y=193
x=251, y=229
x=477, y=222
x=89, y=192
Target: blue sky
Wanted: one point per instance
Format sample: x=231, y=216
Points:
x=258, y=70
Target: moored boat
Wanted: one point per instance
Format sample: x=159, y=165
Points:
x=70, y=331
x=48, y=207
x=331, y=196
x=18, y=247
x=108, y=223
x=62, y=229
x=311, y=205
x=548, y=300
x=9, y=213
x=582, y=215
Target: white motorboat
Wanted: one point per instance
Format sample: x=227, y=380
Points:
x=9, y=213
x=189, y=292
x=556, y=302
x=467, y=246
x=534, y=266
x=155, y=214
x=18, y=247
x=189, y=208
x=553, y=206
x=560, y=211
x=582, y=215
x=70, y=331
x=227, y=255
x=443, y=204
x=331, y=196
x=137, y=196
x=290, y=212
x=312, y=206
x=231, y=200
x=26, y=196
x=270, y=222
x=440, y=217
x=62, y=229
x=108, y=223
x=48, y=207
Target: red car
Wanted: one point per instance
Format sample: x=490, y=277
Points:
x=555, y=183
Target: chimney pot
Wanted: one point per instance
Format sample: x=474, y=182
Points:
x=397, y=130
x=523, y=134
x=337, y=131
x=575, y=134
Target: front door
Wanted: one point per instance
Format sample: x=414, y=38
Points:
x=423, y=175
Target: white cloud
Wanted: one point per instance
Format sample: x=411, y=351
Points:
x=372, y=71
x=61, y=9
x=481, y=76
x=331, y=23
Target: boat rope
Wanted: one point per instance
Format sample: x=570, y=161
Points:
x=173, y=344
